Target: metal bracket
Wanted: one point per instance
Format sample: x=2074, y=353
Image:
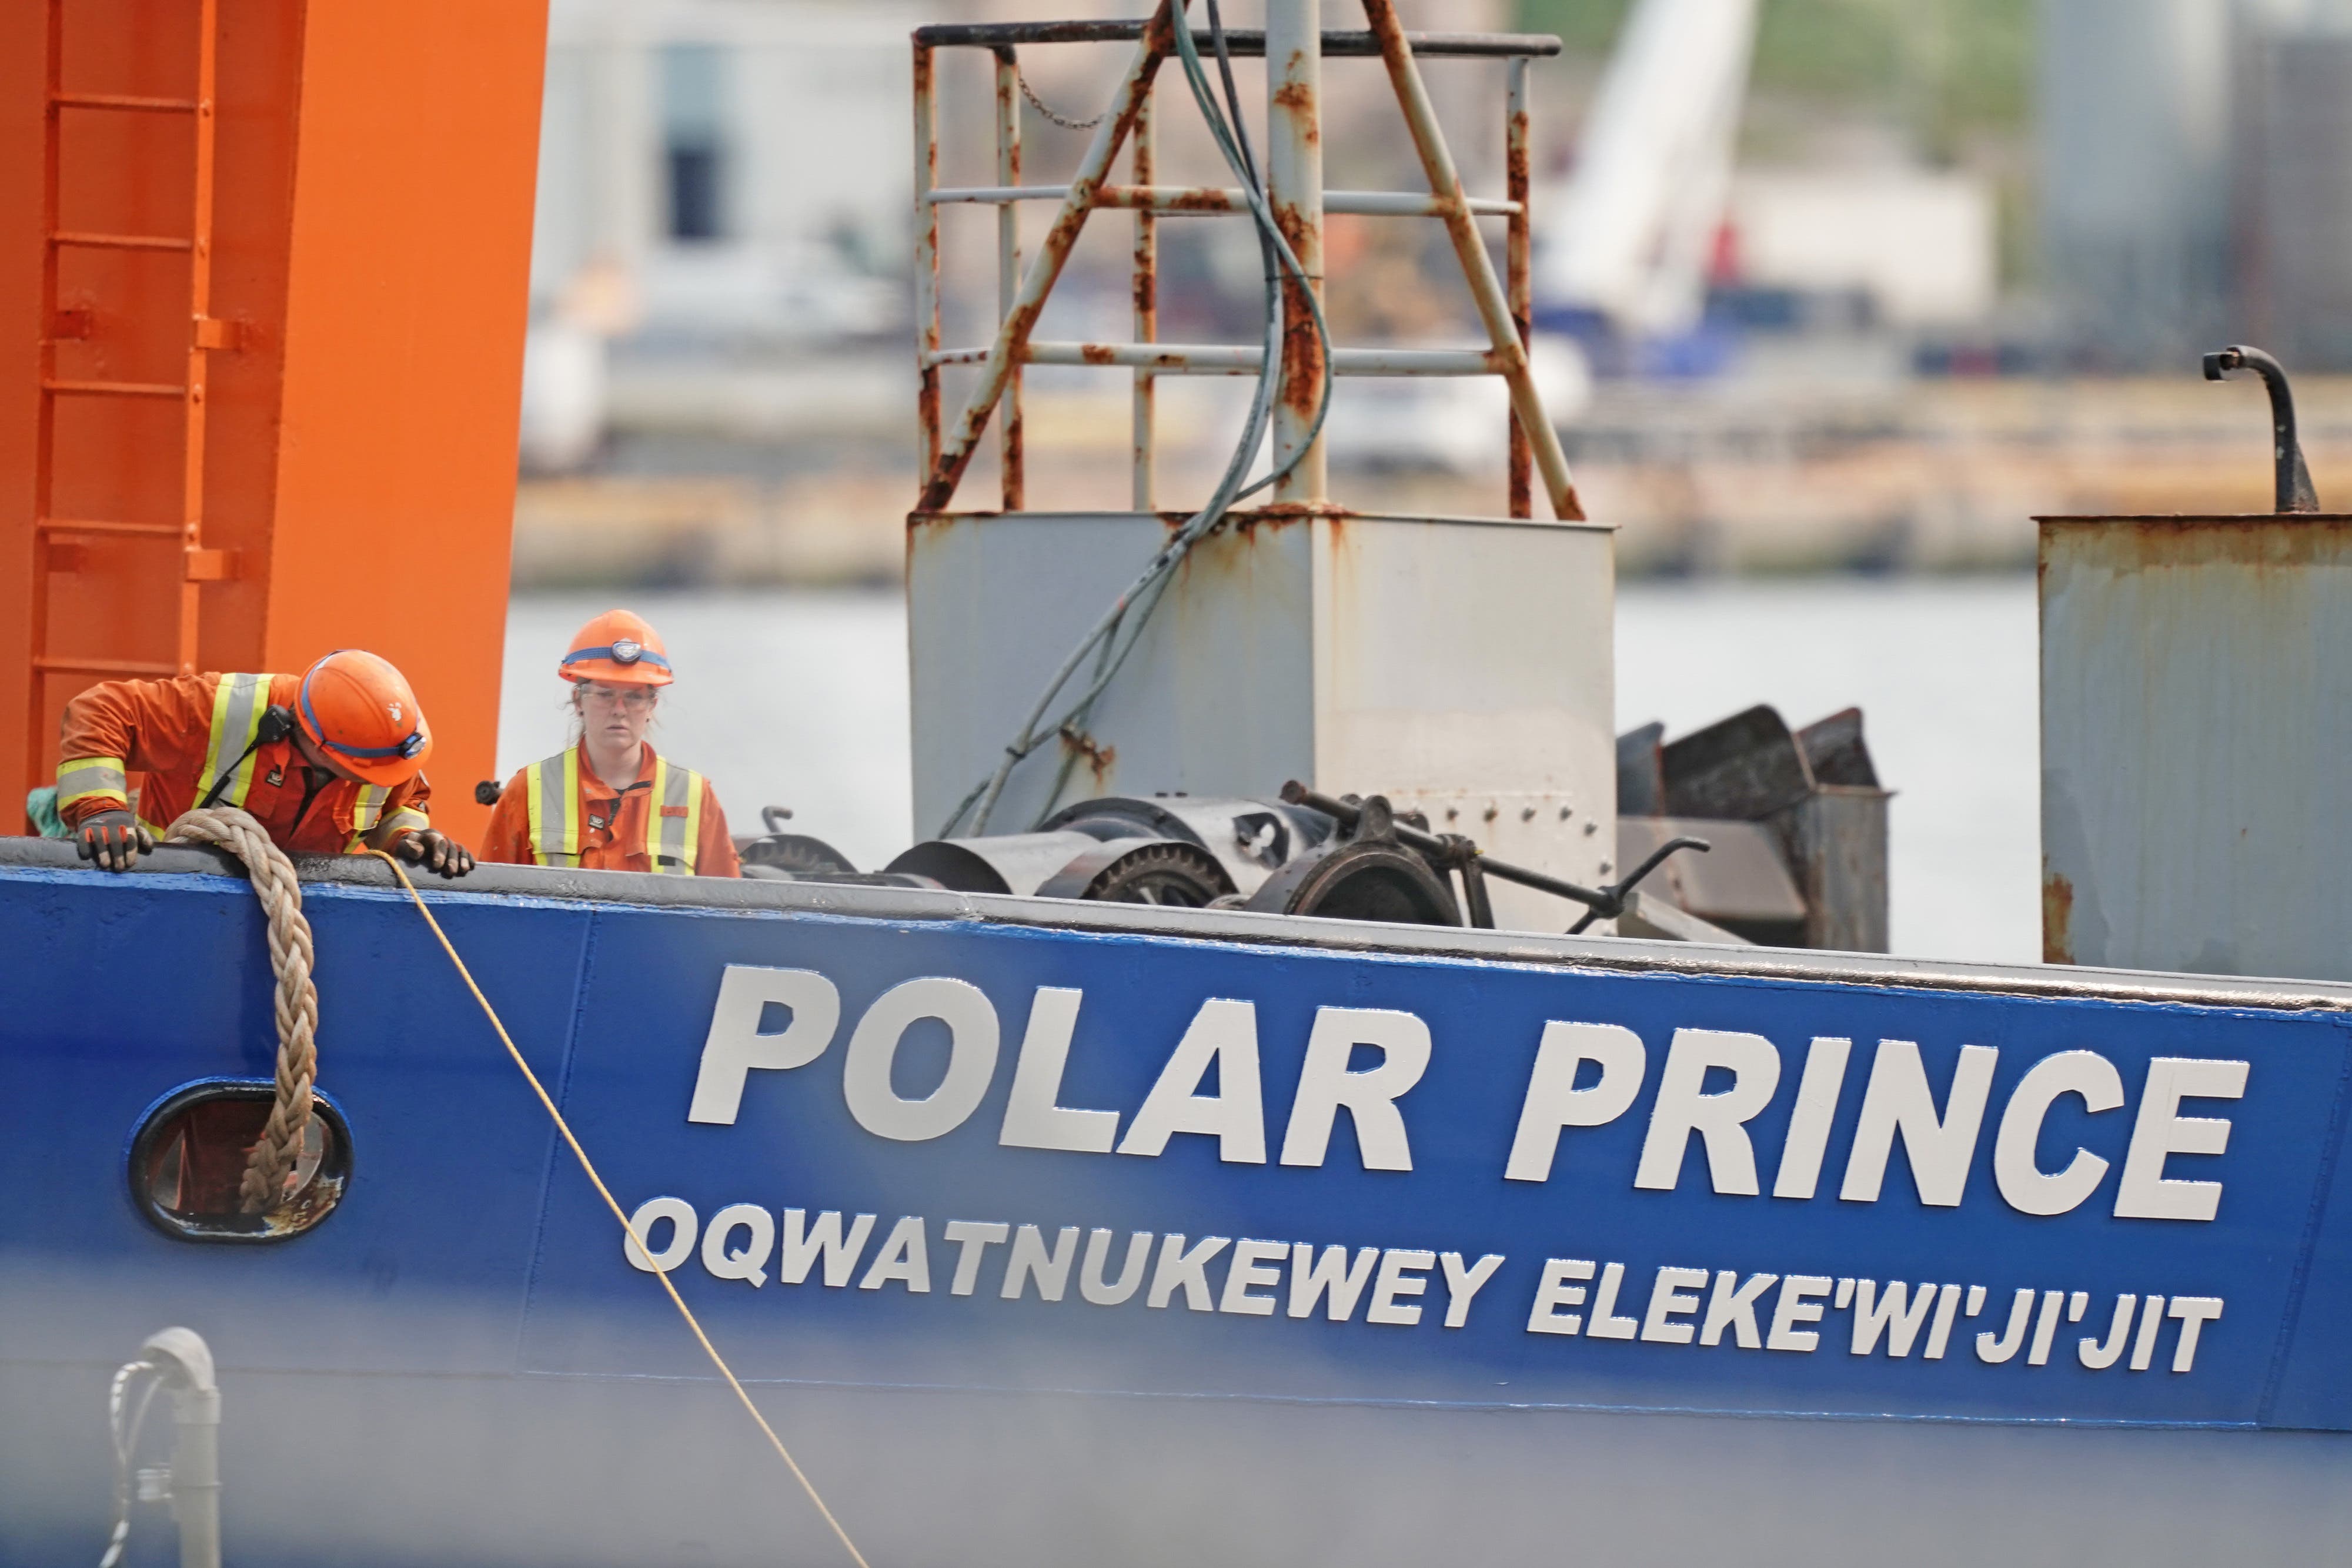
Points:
x=210, y=565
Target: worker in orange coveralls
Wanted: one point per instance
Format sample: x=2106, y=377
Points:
x=331, y=762
x=612, y=802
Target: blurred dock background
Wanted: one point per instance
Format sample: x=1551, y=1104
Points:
x=1968, y=253
x=1959, y=273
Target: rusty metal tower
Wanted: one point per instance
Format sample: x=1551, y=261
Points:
x=1461, y=666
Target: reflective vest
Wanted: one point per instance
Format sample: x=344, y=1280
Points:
x=552, y=790
x=232, y=749
x=239, y=705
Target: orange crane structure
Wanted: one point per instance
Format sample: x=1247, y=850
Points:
x=263, y=287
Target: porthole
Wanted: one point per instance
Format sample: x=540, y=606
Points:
x=188, y=1162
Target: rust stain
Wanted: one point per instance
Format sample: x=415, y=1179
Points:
x=1246, y=524
x=1015, y=485
x=1517, y=186
x=1281, y=515
x=1382, y=17
x=1302, y=353
x=1303, y=366
x=2262, y=540
x=1200, y=199
x=1095, y=353
x=2057, y=917
x=1100, y=760
x=926, y=413
x=1298, y=98
x=1295, y=227
x=1145, y=286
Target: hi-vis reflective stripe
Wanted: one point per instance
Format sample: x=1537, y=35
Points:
x=553, y=791
x=238, y=706
x=369, y=806
x=676, y=819
x=367, y=809
x=80, y=777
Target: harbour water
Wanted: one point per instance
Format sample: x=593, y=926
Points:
x=799, y=698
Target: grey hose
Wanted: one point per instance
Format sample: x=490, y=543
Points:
x=1114, y=635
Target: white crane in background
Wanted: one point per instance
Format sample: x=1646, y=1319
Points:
x=1630, y=240
x=1623, y=249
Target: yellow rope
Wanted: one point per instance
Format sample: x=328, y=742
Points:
x=606, y=1193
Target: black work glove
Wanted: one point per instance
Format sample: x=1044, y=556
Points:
x=113, y=838
x=436, y=852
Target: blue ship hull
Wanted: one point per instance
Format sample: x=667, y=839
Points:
x=1052, y=1232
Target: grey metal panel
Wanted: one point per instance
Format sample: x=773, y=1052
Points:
x=1741, y=877
x=1836, y=840
x=2196, y=691
x=1215, y=699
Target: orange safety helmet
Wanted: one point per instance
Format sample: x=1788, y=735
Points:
x=359, y=711
x=619, y=648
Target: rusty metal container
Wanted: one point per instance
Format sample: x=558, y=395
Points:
x=1462, y=667
x=2195, y=694
x=1797, y=821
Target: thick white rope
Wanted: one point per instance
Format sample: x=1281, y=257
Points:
x=273, y=1159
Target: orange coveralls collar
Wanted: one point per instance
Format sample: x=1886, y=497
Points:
x=177, y=739
x=613, y=825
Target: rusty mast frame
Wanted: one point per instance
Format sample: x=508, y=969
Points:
x=1295, y=179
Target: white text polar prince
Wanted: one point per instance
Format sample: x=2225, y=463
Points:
x=1898, y=1103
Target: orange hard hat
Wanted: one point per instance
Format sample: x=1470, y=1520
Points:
x=620, y=648
x=359, y=711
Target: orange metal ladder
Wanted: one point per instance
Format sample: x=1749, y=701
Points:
x=54, y=535
x=350, y=186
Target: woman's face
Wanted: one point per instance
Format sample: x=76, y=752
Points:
x=614, y=716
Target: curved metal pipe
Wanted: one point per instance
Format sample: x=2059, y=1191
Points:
x=2293, y=491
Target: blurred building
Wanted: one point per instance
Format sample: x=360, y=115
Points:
x=2194, y=183
x=2135, y=125
x=742, y=161
x=2294, y=172
x=716, y=176
x=1912, y=248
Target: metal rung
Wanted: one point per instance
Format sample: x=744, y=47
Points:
x=101, y=667
x=122, y=242
x=1237, y=359
x=1242, y=43
x=109, y=527
x=1208, y=201
x=124, y=101
x=115, y=389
